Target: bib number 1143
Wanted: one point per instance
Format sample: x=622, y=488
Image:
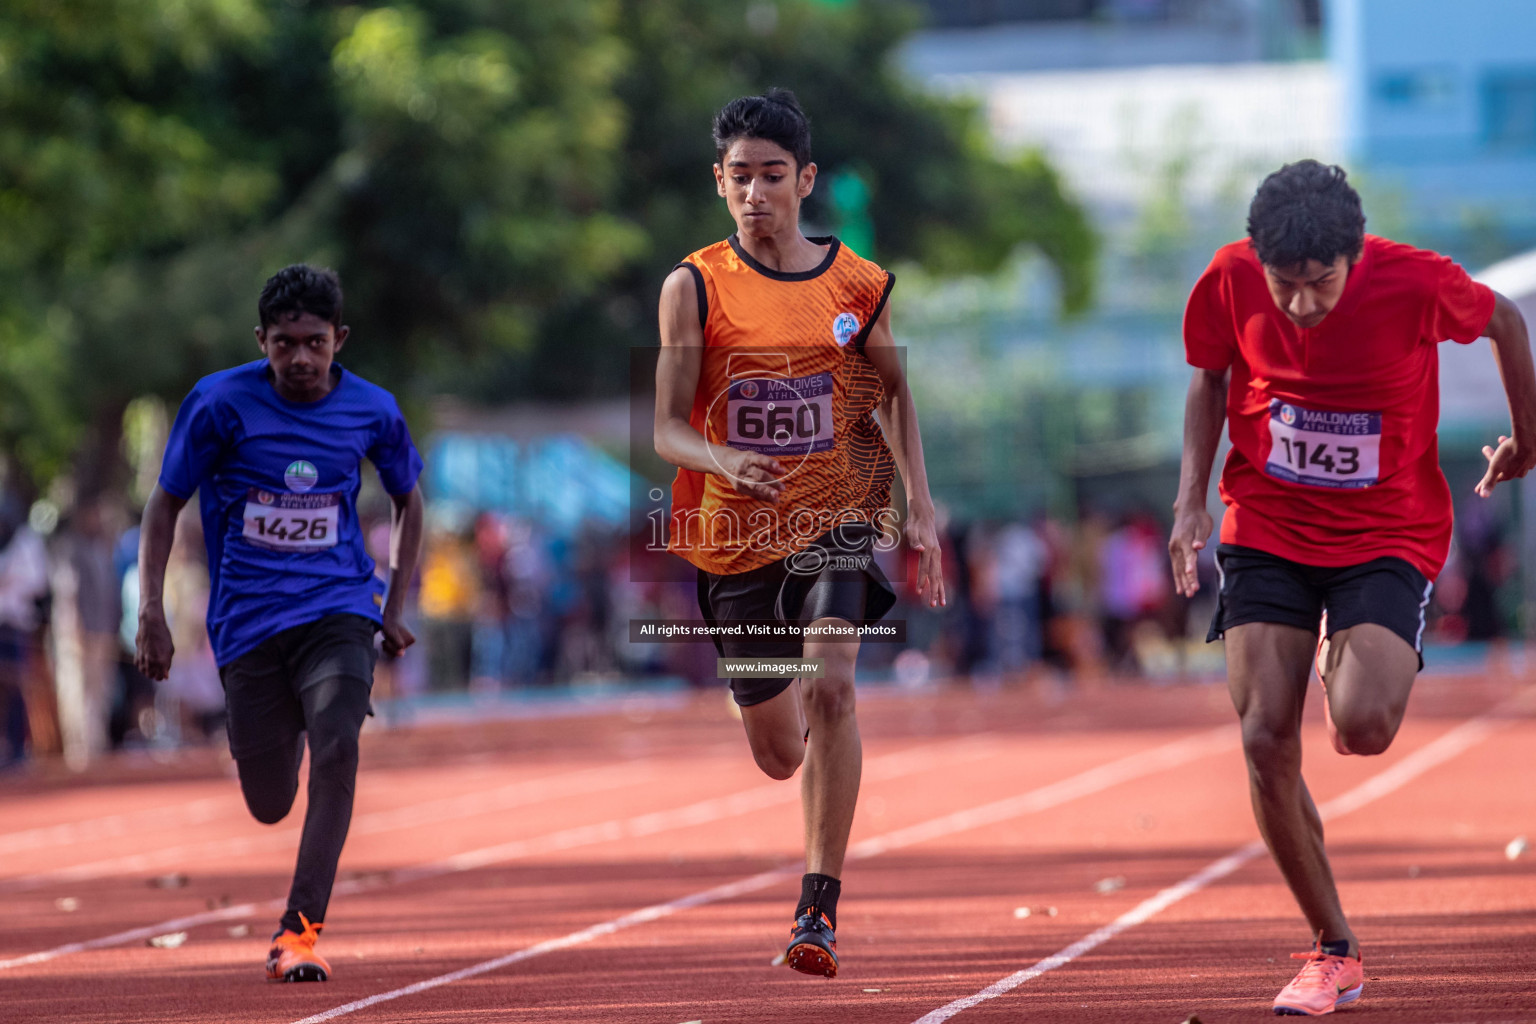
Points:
x=1323, y=449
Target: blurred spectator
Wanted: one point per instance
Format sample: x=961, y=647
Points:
x=23, y=590
x=1486, y=564
x=528, y=581
x=493, y=611
x=1467, y=596
x=191, y=700
x=135, y=692
x=449, y=595
x=88, y=614
x=1020, y=558
x=585, y=646
x=1134, y=584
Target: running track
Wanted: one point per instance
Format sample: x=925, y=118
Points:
x=636, y=867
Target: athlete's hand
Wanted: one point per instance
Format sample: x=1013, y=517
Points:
x=755, y=475
x=923, y=536
x=153, y=647
x=1191, y=529
x=1511, y=460
x=396, y=637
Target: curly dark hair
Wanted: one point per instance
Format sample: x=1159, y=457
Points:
x=298, y=289
x=1306, y=211
x=775, y=116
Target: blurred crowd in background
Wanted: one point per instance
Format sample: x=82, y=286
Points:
x=505, y=606
x=1048, y=178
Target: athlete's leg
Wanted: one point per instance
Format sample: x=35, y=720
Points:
x=834, y=755
x=1376, y=612
x=1268, y=667
x=1370, y=672
x=776, y=732
x=269, y=780
x=266, y=729
x=334, y=668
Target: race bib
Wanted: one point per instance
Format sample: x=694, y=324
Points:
x=1323, y=449
x=292, y=522
x=781, y=416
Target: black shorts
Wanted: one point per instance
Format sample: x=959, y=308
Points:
x=265, y=687
x=835, y=577
x=1259, y=587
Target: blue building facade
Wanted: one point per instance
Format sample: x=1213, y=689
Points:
x=1441, y=106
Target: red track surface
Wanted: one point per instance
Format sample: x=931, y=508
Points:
x=581, y=822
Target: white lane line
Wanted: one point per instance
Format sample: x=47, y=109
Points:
x=1459, y=739
x=885, y=768
x=231, y=913
x=1093, y=780
x=112, y=826
x=467, y=805
x=889, y=766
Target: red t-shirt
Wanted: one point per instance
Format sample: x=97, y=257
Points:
x=1334, y=457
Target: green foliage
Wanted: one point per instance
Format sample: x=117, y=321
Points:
x=502, y=183
x=481, y=153
x=940, y=195
x=110, y=155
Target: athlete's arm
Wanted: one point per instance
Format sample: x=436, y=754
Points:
x=677, y=382
x=153, y=647
x=404, y=550
x=1515, y=455
x=898, y=422
x=1205, y=410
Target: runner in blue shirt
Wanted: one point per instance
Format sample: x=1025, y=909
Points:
x=274, y=447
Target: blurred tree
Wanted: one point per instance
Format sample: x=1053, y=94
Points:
x=502, y=184
x=480, y=147
x=939, y=193
x=107, y=159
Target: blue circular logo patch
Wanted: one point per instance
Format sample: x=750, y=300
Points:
x=301, y=476
x=845, y=327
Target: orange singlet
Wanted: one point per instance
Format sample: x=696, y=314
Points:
x=784, y=373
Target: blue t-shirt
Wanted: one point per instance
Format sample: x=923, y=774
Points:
x=279, y=484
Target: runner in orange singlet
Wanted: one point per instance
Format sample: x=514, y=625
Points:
x=776, y=358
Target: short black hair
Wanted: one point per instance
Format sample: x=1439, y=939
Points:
x=1306, y=211
x=298, y=289
x=775, y=116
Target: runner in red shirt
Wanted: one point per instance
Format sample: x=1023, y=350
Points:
x=1318, y=346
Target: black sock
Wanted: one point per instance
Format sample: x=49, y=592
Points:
x=1338, y=947
x=821, y=892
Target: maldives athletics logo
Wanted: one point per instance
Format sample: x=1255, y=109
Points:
x=844, y=328
x=301, y=476
x=1288, y=415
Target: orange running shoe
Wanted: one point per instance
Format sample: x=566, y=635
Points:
x=812, y=946
x=1322, y=659
x=1325, y=983
x=293, y=957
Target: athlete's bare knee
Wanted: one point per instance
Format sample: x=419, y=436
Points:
x=779, y=761
x=1272, y=748
x=830, y=698
x=1365, y=731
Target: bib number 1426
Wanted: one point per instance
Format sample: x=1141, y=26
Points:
x=1323, y=449
x=292, y=522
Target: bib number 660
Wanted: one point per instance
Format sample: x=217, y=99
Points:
x=778, y=421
